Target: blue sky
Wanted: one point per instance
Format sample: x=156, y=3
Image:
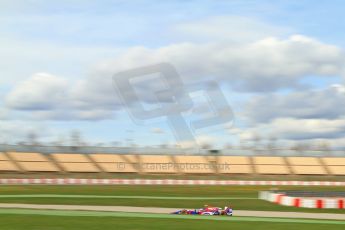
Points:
x=268, y=56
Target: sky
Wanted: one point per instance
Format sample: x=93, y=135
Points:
x=278, y=64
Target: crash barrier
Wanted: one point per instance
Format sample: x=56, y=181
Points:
x=173, y=164
x=74, y=181
x=306, y=199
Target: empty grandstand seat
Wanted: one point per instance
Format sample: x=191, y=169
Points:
x=107, y=158
x=194, y=164
x=33, y=162
x=75, y=162
x=270, y=165
x=6, y=164
x=70, y=157
x=22, y=156
x=306, y=166
x=38, y=166
x=303, y=161
x=308, y=170
x=334, y=160
x=114, y=163
x=158, y=164
x=3, y=157
x=234, y=164
x=131, y=158
x=268, y=160
x=337, y=170
x=271, y=169
x=336, y=165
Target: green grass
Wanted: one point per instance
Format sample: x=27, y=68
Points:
x=44, y=222
x=235, y=192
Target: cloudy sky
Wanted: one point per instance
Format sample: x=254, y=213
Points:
x=279, y=64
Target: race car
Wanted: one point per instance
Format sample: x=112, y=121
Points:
x=206, y=211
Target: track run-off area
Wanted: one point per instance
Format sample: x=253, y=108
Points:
x=123, y=197
x=151, y=212
x=153, y=204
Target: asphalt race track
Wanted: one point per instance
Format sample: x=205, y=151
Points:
x=8, y=208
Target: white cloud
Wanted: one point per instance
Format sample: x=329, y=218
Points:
x=246, y=61
x=157, y=130
x=266, y=65
x=322, y=103
x=308, y=128
x=227, y=28
x=42, y=91
x=297, y=129
x=45, y=96
x=339, y=88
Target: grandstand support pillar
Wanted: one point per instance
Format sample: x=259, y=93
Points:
x=21, y=169
x=324, y=165
x=139, y=162
x=214, y=161
x=55, y=163
x=136, y=163
x=252, y=164
x=94, y=163
x=288, y=166
x=173, y=160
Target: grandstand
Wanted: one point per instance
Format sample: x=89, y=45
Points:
x=170, y=164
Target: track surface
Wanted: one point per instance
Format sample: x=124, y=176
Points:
x=152, y=210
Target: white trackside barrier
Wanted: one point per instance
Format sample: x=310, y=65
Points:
x=74, y=181
x=303, y=202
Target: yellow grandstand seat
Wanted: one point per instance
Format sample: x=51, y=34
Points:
x=303, y=161
x=158, y=164
x=6, y=164
x=308, y=170
x=270, y=165
x=3, y=157
x=114, y=163
x=337, y=170
x=33, y=162
x=234, y=165
x=194, y=164
x=271, y=169
x=38, y=166
x=70, y=157
x=306, y=166
x=75, y=162
x=23, y=156
x=336, y=165
x=268, y=160
x=334, y=160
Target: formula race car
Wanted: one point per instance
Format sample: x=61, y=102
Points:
x=206, y=211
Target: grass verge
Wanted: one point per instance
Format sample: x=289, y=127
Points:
x=135, y=196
